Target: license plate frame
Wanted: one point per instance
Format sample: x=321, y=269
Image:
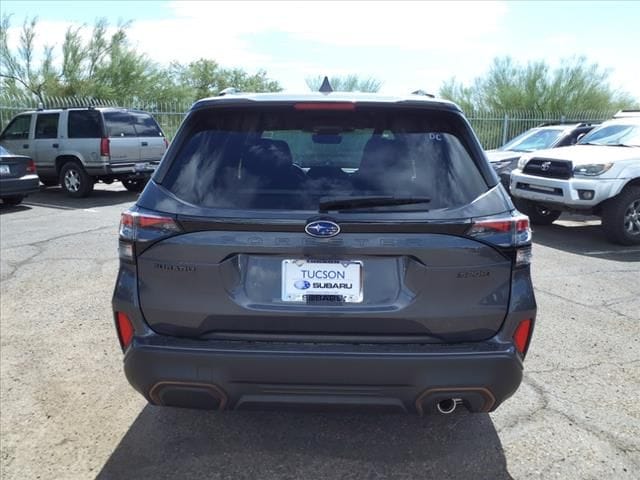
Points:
x=344, y=279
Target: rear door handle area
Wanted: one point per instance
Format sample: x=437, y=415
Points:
x=55, y=145
x=25, y=145
x=144, y=144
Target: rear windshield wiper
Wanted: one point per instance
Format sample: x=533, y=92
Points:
x=345, y=203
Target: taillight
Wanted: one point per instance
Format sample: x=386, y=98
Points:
x=505, y=231
x=142, y=226
x=124, y=328
x=31, y=166
x=325, y=106
x=521, y=336
x=105, y=150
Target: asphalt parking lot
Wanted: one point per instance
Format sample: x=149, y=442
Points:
x=66, y=410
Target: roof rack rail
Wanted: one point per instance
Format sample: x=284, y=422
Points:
x=567, y=122
x=628, y=112
x=228, y=91
x=423, y=93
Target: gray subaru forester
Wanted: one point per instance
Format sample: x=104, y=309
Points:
x=326, y=250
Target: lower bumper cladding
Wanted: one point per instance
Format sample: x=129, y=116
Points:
x=249, y=376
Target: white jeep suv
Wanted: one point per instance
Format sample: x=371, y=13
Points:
x=600, y=175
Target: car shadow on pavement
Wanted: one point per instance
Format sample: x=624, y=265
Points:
x=55, y=197
x=583, y=238
x=179, y=443
x=4, y=209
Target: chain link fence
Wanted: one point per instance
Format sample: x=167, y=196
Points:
x=492, y=127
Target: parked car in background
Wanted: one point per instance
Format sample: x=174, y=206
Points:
x=505, y=158
x=76, y=147
x=18, y=177
x=600, y=175
x=325, y=250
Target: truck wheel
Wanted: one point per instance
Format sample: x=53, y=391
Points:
x=538, y=215
x=621, y=217
x=75, y=181
x=134, y=185
x=15, y=200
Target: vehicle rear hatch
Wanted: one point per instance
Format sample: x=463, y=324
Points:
x=150, y=136
x=124, y=145
x=242, y=253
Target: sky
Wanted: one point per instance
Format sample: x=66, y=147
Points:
x=406, y=45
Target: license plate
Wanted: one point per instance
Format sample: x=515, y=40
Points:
x=4, y=170
x=309, y=280
x=143, y=167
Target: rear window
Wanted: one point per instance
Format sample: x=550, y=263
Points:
x=119, y=124
x=286, y=159
x=145, y=125
x=85, y=124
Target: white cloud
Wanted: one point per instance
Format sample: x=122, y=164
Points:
x=419, y=25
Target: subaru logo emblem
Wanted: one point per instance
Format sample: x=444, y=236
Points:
x=302, y=284
x=322, y=228
x=545, y=166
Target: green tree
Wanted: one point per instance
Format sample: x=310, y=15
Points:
x=18, y=70
x=348, y=83
x=576, y=86
x=205, y=78
x=108, y=68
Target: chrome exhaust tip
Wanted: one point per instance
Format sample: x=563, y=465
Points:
x=448, y=405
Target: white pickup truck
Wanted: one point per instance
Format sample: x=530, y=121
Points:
x=600, y=175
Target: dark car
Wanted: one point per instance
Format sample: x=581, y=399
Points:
x=325, y=251
x=18, y=177
x=505, y=158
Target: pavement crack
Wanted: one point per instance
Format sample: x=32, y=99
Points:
x=583, y=424
x=40, y=248
x=585, y=367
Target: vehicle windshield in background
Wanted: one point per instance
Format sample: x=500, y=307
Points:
x=613, y=135
x=281, y=158
x=533, y=140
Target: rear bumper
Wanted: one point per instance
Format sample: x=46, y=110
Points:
x=132, y=170
x=19, y=186
x=244, y=375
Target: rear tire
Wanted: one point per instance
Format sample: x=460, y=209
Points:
x=621, y=217
x=538, y=215
x=75, y=181
x=16, y=200
x=134, y=185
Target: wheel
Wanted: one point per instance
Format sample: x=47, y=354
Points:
x=134, y=185
x=75, y=181
x=538, y=215
x=49, y=182
x=621, y=217
x=12, y=200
